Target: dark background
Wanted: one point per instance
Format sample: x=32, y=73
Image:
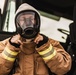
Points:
x=62, y=8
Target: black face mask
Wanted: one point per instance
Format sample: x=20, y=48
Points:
x=28, y=30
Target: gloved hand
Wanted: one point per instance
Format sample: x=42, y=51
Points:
x=15, y=41
x=12, y=48
x=40, y=40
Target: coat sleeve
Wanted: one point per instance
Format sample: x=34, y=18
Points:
x=6, y=62
x=56, y=58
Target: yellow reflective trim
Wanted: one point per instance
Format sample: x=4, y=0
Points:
x=11, y=52
x=46, y=51
x=50, y=56
x=8, y=58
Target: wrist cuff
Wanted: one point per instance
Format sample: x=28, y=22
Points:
x=48, y=53
x=9, y=55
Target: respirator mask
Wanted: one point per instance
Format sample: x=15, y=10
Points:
x=27, y=24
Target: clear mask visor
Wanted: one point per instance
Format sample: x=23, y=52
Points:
x=26, y=19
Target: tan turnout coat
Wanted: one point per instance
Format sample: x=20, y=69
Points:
x=33, y=64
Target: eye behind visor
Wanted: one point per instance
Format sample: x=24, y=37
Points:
x=26, y=18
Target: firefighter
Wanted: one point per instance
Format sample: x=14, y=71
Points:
x=34, y=52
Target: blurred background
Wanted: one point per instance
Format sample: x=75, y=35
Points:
x=55, y=15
